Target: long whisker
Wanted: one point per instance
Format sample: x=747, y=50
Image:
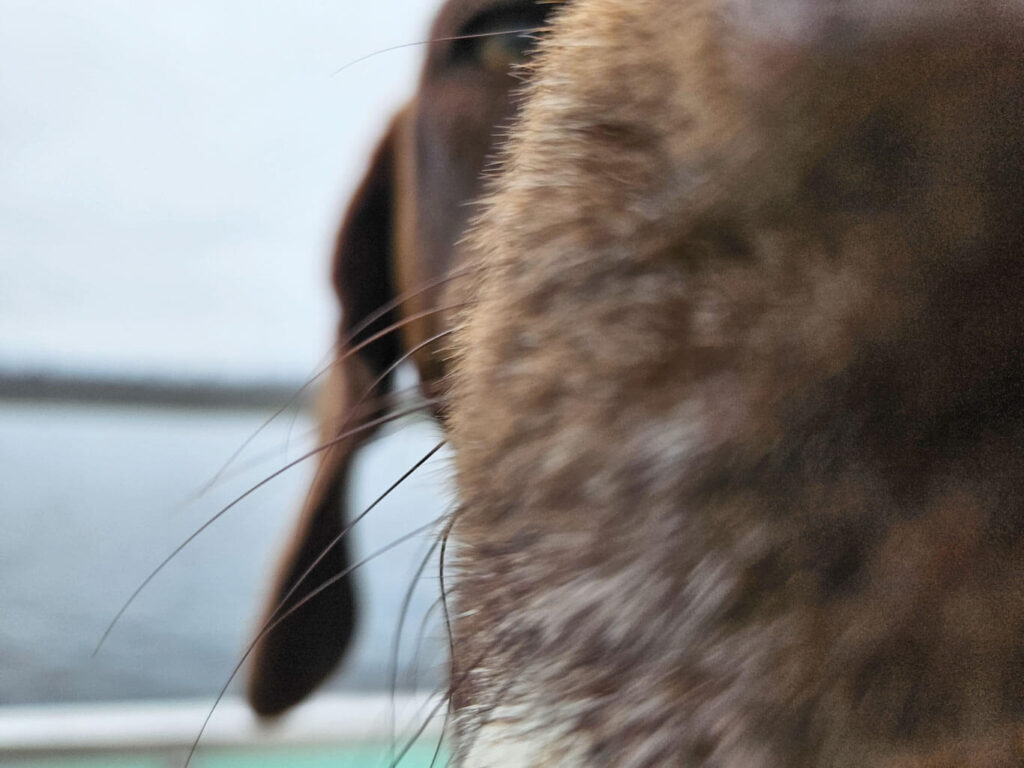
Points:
x=440, y=742
x=447, y=622
x=442, y=540
x=458, y=677
x=444, y=593
x=395, y=326
x=326, y=446
x=272, y=622
x=379, y=403
x=292, y=399
x=389, y=49
x=419, y=732
x=373, y=385
x=421, y=635
x=379, y=335
x=337, y=539
x=396, y=645
x=323, y=367
x=391, y=368
x=446, y=700
x=345, y=434
x=269, y=627
x=395, y=303
x=338, y=576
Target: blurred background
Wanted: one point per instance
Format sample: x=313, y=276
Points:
x=171, y=179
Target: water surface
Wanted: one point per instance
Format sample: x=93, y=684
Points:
x=93, y=498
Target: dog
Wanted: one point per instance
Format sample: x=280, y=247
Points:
x=393, y=253
x=737, y=394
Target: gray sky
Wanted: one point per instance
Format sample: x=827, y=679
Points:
x=172, y=174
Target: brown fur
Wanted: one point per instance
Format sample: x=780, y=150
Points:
x=397, y=237
x=738, y=407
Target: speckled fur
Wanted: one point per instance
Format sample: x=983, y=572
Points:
x=738, y=408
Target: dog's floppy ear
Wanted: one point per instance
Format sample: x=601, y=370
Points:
x=296, y=656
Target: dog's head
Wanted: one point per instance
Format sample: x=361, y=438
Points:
x=394, y=249
x=738, y=404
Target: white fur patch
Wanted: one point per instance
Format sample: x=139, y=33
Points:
x=519, y=736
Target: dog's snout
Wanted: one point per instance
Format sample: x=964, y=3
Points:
x=893, y=106
x=894, y=49
x=747, y=343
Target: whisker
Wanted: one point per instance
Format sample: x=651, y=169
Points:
x=400, y=46
x=446, y=700
x=391, y=368
x=419, y=732
x=337, y=539
x=395, y=303
x=292, y=399
x=447, y=622
x=440, y=742
x=376, y=337
x=270, y=625
x=337, y=577
x=444, y=593
x=442, y=540
x=396, y=645
x=376, y=382
x=382, y=402
x=421, y=634
x=397, y=325
x=421, y=711
x=344, y=435
x=322, y=367
x=330, y=443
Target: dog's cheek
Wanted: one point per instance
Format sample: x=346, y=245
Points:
x=459, y=119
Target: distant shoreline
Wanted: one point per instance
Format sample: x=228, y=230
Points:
x=133, y=390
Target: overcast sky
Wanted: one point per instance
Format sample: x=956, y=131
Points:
x=172, y=174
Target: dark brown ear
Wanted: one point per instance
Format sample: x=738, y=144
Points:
x=296, y=656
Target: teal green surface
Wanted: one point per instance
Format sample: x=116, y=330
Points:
x=374, y=756
x=88, y=762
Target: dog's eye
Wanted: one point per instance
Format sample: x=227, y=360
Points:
x=498, y=52
x=497, y=40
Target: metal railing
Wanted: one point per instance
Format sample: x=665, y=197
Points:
x=166, y=730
